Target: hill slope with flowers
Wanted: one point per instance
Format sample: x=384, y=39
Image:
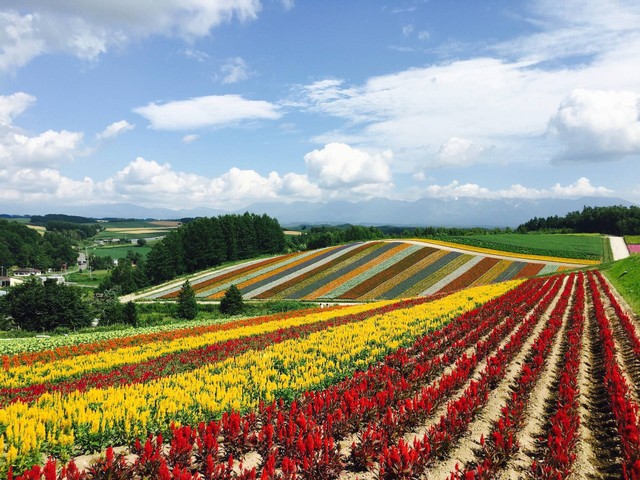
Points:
x=369, y=271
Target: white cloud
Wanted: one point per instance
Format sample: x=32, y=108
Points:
x=86, y=29
x=598, y=125
x=234, y=70
x=581, y=188
x=196, y=55
x=209, y=111
x=115, y=129
x=48, y=148
x=146, y=182
x=27, y=185
x=13, y=105
x=407, y=30
x=458, y=152
x=338, y=165
x=192, y=137
x=424, y=35
x=18, y=149
x=503, y=99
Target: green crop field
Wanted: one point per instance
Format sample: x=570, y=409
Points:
x=632, y=239
x=588, y=247
x=119, y=251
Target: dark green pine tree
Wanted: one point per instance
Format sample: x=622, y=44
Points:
x=187, y=304
x=232, y=302
x=130, y=314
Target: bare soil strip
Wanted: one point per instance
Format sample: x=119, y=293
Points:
x=599, y=417
x=584, y=464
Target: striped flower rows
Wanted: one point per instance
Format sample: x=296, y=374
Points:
x=66, y=420
x=369, y=271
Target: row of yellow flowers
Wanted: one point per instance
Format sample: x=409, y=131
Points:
x=24, y=375
x=91, y=419
x=490, y=251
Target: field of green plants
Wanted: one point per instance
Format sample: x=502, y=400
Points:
x=588, y=247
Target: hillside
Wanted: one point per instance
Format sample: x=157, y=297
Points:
x=367, y=271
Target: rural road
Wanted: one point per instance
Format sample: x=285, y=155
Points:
x=618, y=248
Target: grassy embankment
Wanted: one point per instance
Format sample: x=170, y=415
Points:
x=625, y=276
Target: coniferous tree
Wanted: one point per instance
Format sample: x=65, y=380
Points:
x=130, y=314
x=232, y=302
x=187, y=304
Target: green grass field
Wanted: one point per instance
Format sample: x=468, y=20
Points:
x=119, y=251
x=632, y=239
x=107, y=235
x=588, y=247
x=625, y=276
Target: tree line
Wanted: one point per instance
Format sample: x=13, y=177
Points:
x=614, y=220
x=201, y=243
x=24, y=247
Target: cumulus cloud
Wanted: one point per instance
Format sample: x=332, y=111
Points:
x=143, y=180
x=27, y=185
x=209, y=111
x=234, y=70
x=459, y=152
x=87, y=29
x=337, y=165
x=581, y=188
x=47, y=149
x=598, y=125
x=19, y=149
x=13, y=105
x=115, y=129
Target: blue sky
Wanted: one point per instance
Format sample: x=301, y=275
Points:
x=223, y=103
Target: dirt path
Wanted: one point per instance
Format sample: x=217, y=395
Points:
x=618, y=248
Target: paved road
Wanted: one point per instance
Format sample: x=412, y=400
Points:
x=618, y=248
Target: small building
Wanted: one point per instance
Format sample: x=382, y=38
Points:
x=25, y=272
x=5, y=282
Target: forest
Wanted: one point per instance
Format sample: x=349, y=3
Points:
x=24, y=247
x=616, y=220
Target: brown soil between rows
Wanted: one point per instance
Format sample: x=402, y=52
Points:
x=464, y=452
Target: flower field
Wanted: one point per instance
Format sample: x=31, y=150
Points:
x=365, y=271
x=533, y=378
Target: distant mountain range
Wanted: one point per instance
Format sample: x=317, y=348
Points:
x=461, y=212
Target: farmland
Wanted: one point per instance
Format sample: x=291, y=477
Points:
x=589, y=247
x=363, y=271
x=440, y=363
x=516, y=379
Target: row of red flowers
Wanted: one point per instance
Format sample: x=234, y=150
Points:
x=500, y=443
x=401, y=460
x=625, y=410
